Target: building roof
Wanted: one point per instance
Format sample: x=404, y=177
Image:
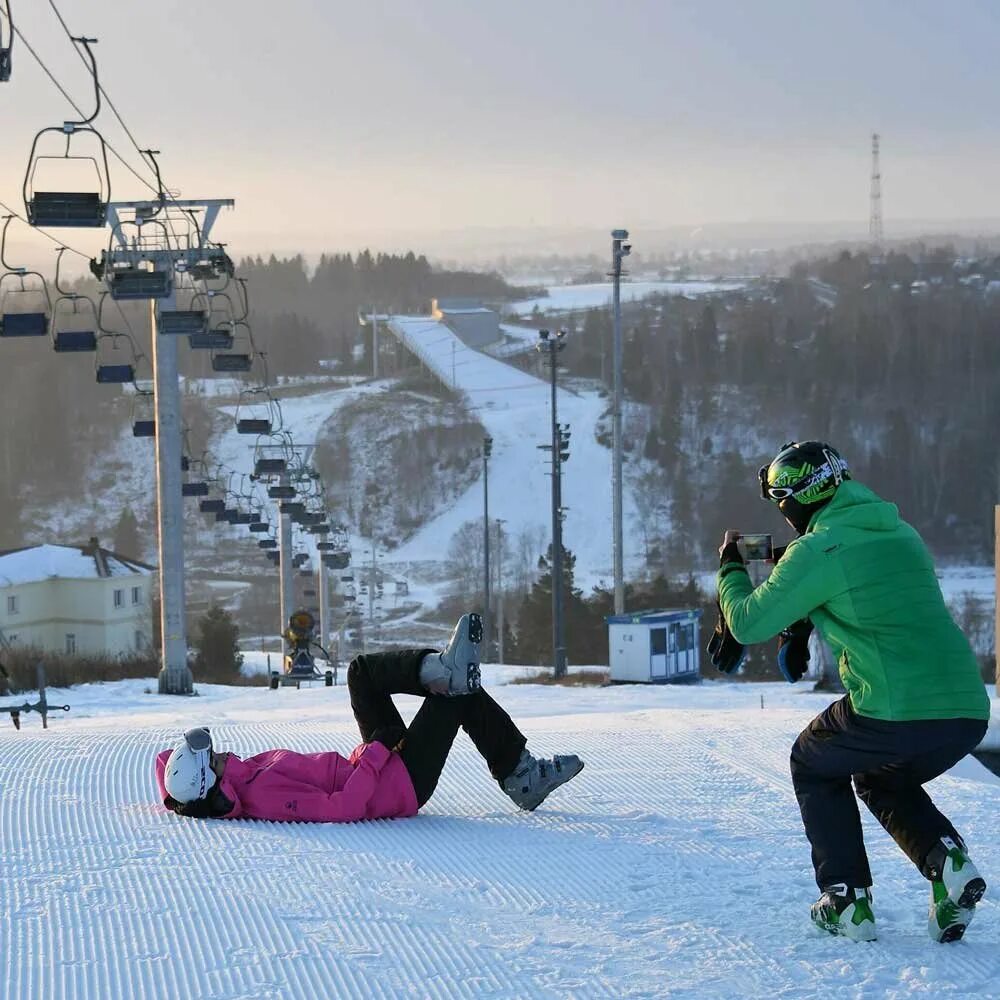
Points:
x=66, y=562
x=654, y=616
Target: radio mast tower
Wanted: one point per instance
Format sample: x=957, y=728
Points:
x=875, y=219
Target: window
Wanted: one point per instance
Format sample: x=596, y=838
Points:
x=12, y=637
x=136, y=595
x=119, y=598
x=70, y=644
x=657, y=641
x=13, y=604
x=140, y=641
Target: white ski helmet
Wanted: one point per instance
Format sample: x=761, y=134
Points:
x=188, y=775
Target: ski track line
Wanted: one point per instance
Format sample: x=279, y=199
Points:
x=654, y=874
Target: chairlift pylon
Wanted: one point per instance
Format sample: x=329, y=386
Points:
x=77, y=209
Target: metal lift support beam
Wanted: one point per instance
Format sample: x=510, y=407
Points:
x=175, y=675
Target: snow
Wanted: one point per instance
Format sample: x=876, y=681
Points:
x=514, y=408
x=570, y=298
x=674, y=865
x=45, y=562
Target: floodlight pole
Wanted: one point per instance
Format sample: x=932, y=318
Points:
x=619, y=250
x=175, y=675
x=487, y=451
x=552, y=346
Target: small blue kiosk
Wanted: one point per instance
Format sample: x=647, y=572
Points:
x=655, y=647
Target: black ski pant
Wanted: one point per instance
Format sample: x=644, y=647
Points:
x=372, y=680
x=889, y=763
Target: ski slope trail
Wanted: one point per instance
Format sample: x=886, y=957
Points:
x=515, y=408
x=673, y=866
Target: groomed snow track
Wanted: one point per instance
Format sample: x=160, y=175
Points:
x=673, y=866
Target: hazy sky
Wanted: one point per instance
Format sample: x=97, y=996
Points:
x=330, y=121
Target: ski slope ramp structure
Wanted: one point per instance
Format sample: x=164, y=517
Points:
x=673, y=866
x=515, y=408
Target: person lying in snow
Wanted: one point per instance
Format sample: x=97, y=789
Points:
x=396, y=768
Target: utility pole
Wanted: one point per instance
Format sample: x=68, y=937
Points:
x=500, y=589
x=619, y=250
x=552, y=346
x=175, y=675
x=374, y=343
x=487, y=451
x=875, y=217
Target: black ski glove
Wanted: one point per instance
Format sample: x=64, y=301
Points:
x=724, y=651
x=793, y=650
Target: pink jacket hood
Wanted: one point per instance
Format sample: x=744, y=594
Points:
x=372, y=783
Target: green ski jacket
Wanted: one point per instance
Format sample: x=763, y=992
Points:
x=865, y=579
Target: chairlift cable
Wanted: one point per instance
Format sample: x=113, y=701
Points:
x=62, y=90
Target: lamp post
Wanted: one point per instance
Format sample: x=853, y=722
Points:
x=487, y=451
x=500, y=522
x=552, y=346
x=619, y=250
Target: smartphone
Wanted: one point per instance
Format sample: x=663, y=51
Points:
x=756, y=547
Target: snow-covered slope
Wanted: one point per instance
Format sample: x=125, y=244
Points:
x=515, y=409
x=674, y=865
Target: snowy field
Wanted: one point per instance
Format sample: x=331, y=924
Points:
x=569, y=298
x=674, y=866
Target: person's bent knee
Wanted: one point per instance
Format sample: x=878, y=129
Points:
x=354, y=670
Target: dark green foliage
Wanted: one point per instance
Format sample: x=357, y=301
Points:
x=218, y=659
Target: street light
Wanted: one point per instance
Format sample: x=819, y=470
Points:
x=550, y=345
x=487, y=451
x=619, y=251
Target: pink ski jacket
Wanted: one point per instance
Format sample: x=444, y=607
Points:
x=372, y=783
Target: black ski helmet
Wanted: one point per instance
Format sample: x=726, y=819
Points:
x=802, y=479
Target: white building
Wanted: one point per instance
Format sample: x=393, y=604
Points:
x=655, y=647
x=75, y=599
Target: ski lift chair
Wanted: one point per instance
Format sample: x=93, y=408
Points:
x=182, y=322
x=5, y=47
x=267, y=544
x=264, y=467
x=275, y=557
x=260, y=416
x=75, y=326
x=144, y=416
x=240, y=357
x=133, y=267
x=24, y=309
x=110, y=368
x=281, y=492
x=79, y=209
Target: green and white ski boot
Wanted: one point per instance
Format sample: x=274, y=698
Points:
x=846, y=912
x=956, y=887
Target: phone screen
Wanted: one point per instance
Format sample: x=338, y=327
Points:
x=756, y=547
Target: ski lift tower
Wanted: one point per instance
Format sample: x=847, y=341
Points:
x=150, y=275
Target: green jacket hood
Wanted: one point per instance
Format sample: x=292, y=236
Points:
x=856, y=506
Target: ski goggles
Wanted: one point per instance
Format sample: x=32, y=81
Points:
x=833, y=467
x=198, y=740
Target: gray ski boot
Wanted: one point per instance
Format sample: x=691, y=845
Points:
x=455, y=670
x=533, y=779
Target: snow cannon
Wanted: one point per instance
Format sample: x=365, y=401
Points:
x=299, y=663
